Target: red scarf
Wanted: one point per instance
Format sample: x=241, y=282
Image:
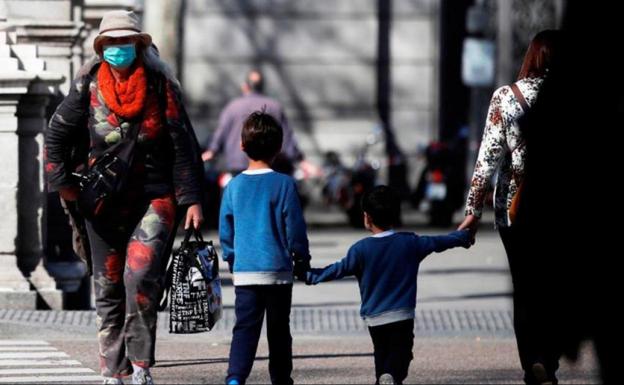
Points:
x=126, y=98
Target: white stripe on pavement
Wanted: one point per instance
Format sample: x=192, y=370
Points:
x=33, y=355
x=37, y=362
x=40, y=379
x=45, y=371
x=22, y=342
x=27, y=349
x=4, y=363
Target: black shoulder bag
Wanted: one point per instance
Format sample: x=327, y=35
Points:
x=106, y=178
x=103, y=182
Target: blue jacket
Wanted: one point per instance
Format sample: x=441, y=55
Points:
x=261, y=227
x=386, y=266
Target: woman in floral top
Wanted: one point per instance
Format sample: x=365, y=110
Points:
x=128, y=89
x=502, y=153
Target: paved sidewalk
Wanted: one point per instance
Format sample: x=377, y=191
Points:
x=463, y=326
x=323, y=360
x=305, y=321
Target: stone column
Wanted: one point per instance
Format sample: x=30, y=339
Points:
x=59, y=44
x=50, y=37
x=25, y=91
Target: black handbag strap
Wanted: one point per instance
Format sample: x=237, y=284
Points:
x=190, y=232
x=519, y=97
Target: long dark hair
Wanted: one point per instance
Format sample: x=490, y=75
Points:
x=539, y=55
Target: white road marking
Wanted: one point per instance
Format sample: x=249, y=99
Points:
x=4, y=363
x=36, y=362
x=22, y=342
x=32, y=355
x=41, y=379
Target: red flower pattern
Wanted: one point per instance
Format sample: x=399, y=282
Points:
x=114, y=266
x=140, y=255
x=165, y=209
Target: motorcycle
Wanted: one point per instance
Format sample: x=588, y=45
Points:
x=345, y=186
x=439, y=190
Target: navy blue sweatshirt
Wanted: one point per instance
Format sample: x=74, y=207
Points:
x=386, y=266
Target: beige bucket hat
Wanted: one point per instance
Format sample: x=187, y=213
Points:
x=116, y=24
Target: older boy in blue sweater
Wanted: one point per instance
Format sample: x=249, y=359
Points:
x=386, y=266
x=262, y=233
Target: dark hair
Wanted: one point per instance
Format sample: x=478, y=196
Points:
x=262, y=136
x=255, y=81
x=539, y=55
x=383, y=205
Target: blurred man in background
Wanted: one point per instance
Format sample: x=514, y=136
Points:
x=227, y=138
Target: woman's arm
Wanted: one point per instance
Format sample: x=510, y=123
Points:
x=67, y=130
x=187, y=163
x=491, y=153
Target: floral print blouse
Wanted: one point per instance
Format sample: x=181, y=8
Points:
x=502, y=152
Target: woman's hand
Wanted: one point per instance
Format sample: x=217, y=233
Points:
x=194, y=216
x=69, y=194
x=471, y=223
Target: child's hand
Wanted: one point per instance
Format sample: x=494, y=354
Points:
x=469, y=240
x=301, y=268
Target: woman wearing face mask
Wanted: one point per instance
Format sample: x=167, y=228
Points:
x=127, y=91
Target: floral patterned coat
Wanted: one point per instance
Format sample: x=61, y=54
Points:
x=168, y=156
x=502, y=151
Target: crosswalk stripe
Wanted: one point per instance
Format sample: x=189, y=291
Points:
x=33, y=355
x=27, y=349
x=22, y=342
x=5, y=363
x=45, y=371
x=41, y=379
x=37, y=362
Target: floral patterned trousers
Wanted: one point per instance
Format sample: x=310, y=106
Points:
x=127, y=251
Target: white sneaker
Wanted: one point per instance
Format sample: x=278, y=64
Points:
x=112, y=381
x=142, y=377
x=386, y=379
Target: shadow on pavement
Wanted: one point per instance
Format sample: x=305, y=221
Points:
x=481, y=270
x=464, y=297
x=208, y=361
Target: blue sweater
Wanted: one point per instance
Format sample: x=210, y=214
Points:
x=386, y=267
x=261, y=227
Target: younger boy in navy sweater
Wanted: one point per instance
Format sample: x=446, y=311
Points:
x=262, y=233
x=386, y=266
